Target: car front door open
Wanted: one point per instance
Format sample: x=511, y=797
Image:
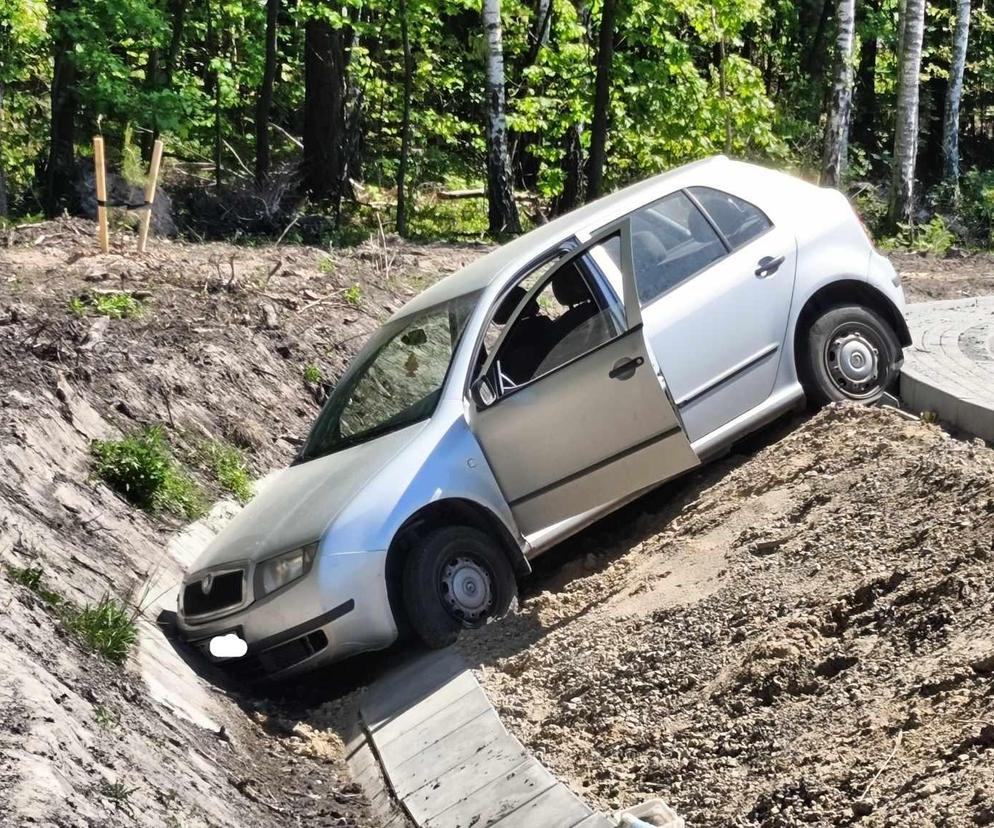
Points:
x=576, y=417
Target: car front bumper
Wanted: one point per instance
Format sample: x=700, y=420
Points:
x=338, y=609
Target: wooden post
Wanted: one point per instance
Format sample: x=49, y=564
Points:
x=153, y=177
x=101, y=180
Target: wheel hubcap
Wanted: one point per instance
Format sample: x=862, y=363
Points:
x=853, y=362
x=466, y=589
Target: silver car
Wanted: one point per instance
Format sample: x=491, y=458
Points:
x=546, y=384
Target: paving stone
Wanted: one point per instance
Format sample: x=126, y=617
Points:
x=949, y=369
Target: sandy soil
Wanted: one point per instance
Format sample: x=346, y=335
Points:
x=928, y=277
x=219, y=353
x=798, y=637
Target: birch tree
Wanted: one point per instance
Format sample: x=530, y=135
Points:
x=836, y=144
x=902, y=187
x=950, y=131
x=502, y=211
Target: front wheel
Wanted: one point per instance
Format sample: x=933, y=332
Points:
x=454, y=578
x=850, y=353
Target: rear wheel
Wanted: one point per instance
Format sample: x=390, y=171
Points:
x=454, y=578
x=850, y=353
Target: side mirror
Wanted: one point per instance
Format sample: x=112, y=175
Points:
x=483, y=393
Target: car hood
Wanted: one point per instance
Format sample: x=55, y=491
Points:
x=297, y=506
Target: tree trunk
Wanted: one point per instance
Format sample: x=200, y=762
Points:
x=573, y=169
x=265, y=103
x=833, y=159
x=325, y=64
x=602, y=101
x=954, y=94
x=902, y=189
x=405, y=121
x=61, y=165
x=865, y=103
x=503, y=212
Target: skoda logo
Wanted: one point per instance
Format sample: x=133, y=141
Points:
x=207, y=584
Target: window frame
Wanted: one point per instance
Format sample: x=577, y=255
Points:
x=714, y=224
x=574, y=250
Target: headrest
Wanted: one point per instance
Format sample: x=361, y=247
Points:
x=568, y=286
x=511, y=301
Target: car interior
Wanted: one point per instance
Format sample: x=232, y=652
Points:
x=563, y=320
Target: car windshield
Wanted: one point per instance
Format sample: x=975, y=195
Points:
x=395, y=381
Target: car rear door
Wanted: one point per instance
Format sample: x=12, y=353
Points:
x=578, y=416
x=715, y=318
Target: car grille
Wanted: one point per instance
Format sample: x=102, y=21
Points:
x=225, y=592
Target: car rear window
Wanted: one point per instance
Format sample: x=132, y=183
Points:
x=671, y=241
x=738, y=220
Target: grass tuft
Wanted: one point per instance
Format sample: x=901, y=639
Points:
x=230, y=468
x=109, y=628
x=312, y=374
x=114, y=305
x=353, y=295
x=142, y=470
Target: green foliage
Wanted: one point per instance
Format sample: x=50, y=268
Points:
x=31, y=577
x=976, y=205
x=932, y=237
x=114, y=305
x=312, y=374
x=108, y=627
x=119, y=794
x=230, y=469
x=326, y=265
x=353, y=295
x=105, y=717
x=142, y=470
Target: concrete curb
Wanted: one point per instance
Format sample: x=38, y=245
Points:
x=949, y=369
x=448, y=759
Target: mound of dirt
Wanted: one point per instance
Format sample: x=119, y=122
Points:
x=218, y=352
x=802, y=637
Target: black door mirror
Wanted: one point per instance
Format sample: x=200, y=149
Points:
x=483, y=393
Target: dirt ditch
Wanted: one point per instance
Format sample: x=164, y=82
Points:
x=233, y=347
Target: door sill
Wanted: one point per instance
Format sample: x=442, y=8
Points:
x=711, y=445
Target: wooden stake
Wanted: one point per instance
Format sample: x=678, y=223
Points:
x=153, y=177
x=103, y=235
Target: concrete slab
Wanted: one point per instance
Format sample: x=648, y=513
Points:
x=432, y=729
x=493, y=762
x=501, y=798
x=557, y=806
x=400, y=721
x=445, y=754
x=411, y=682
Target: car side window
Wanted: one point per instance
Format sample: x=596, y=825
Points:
x=569, y=314
x=738, y=220
x=671, y=241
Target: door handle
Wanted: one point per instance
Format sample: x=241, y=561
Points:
x=625, y=368
x=768, y=266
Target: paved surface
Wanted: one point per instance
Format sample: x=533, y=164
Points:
x=949, y=370
x=450, y=761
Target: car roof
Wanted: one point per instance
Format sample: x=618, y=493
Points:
x=514, y=255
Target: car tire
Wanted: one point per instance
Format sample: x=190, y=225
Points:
x=850, y=352
x=455, y=578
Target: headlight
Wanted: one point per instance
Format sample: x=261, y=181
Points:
x=277, y=572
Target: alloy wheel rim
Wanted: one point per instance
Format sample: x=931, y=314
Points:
x=852, y=359
x=467, y=589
